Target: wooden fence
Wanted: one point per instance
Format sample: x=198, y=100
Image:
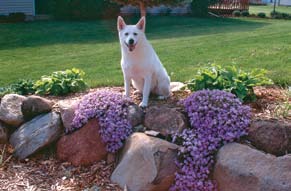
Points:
x=228, y=6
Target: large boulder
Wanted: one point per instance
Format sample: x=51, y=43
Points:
x=67, y=111
x=36, y=134
x=35, y=105
x=147, y=164
x=271, y=136
x=82, y=147
x=3, y=133
x=10, y=109
x=165, y=120
x=241, y=168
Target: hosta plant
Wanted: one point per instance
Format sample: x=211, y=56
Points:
x=61, y=83
x=216, y=117
x=110, y=109
x=230, y=79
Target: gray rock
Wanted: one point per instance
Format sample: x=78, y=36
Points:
x=166, y=120
x=241, y=168
x=135, y=115
x=36, y=134
x=67, y=110
x=35, y=105
x=271, y=136
x=146, y=163
x=3, y=133
x=10, y=109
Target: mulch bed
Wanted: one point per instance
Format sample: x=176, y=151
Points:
x=44, y=172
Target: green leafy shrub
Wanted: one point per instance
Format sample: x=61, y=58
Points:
x=3, y=18
x=279, y=15
x=21, y=87
x=261, y=15
x=200, y=7
x=236, y=13
x=230, y=79
x=16, y=17
x=245, y=13
x=61, y=83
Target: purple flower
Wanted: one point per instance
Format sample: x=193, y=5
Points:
x=216, y=118
x=110, y=109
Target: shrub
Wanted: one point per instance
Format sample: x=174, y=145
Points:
x=200, y=7
x=261, y=15
x=230, y=79
x=245, y=13
x=61, y=83
x=216, y=118
x=85, y=9
x=16, y=17
x=278, y=15
x=22, y=87
x=111, y=111
x=236, y=13
x=3, y=18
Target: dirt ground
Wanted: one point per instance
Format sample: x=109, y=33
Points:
x=44, y=171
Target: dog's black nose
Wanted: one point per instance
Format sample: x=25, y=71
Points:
x=131, y=41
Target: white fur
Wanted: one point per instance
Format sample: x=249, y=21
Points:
x=140, y=63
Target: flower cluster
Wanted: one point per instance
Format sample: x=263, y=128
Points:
x=111, y=110
x=216, y=118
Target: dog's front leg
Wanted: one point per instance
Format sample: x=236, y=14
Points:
x=127, y=85
x=146, y=91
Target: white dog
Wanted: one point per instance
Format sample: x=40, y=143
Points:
x=140, y=64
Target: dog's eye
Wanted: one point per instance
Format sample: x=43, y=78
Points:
x=126, y=34
x=135, y=34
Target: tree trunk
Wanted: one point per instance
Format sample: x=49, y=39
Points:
x=142, y=8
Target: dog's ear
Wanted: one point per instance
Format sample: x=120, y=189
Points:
x=141, y=24
x=120, y=23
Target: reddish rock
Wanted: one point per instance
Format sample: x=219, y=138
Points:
x=82, y=147
x=241, y=168
x=271, y=136
x=165, y=120
x=147, y=164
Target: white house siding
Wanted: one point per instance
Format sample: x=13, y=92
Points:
x=285, y=2
x=13, y=6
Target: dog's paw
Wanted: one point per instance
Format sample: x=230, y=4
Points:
x=143, y=105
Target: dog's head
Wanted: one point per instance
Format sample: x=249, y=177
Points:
x=130, y=35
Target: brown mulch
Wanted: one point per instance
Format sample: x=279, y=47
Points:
x=44, y=171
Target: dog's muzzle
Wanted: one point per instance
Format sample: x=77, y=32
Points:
x=130, y=45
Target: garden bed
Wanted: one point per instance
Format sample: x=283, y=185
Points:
x=43, y=171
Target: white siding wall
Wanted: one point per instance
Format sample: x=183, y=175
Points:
x=285, y=2
x=13, y=6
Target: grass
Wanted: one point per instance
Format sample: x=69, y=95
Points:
x=255, y=9
x=30, y=50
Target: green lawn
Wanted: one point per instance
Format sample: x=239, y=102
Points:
x=29, y=50
x=268, y=9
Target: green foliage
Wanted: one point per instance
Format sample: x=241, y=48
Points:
x=236, y=13
x=148, y=3
x=21, y=87
x=78, y=9
x=12, y=18
x=245, y=13
x=200, y=7
x=261, y=15
x=61, y=83
x=230, y=79
x=279, y=15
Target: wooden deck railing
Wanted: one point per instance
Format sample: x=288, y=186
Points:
x=227, y=6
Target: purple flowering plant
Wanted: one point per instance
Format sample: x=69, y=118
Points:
x=217, y=117
x=110, y=108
